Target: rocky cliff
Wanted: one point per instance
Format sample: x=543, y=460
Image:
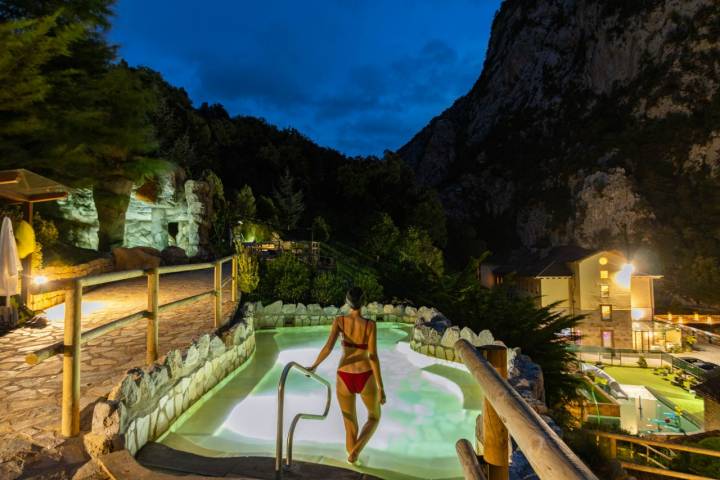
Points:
x=595, y=122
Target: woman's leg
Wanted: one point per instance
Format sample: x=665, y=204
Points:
x=371, y=398
x=346, y=400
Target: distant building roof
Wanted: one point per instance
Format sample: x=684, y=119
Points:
x=552, y=263
x=22, y=185
x=710, y=388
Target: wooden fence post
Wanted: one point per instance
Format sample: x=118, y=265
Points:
x=218, y=294
x=234, y=281
x=495, y=435
x=70, y=422
x=153, y=325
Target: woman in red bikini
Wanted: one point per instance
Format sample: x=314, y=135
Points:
x=358, y=372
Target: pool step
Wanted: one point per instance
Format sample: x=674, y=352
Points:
x=161, y=458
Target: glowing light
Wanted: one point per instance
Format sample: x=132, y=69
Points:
x=603, y=261
x=624, y=275
x=40, y=280
x=638, y=313
x=56, y=314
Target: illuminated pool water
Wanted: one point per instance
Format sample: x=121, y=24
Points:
x=430, y=404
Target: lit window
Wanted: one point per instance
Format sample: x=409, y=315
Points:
x=606, y=312
x=604, y=291
x=604, y=275
x=603, y=261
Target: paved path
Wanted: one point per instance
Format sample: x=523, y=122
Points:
x=30, y=395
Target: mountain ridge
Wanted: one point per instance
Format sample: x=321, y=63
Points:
x=594, y=123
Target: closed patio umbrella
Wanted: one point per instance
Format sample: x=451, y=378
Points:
x=10, y=266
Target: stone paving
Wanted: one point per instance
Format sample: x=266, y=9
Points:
x=30, y=396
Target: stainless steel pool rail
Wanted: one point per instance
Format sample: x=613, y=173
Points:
x=298, y=417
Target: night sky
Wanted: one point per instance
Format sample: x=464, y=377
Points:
x=360, y=76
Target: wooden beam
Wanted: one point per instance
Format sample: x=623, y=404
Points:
x=47, y=197
x=544, y=450
x=662, y=472
x=495, y=435
x=469, y=461
x=9, y=178
x=655, y=443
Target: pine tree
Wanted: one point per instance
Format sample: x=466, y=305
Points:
x=288, y=201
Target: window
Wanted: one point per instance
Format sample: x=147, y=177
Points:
x=604, y=275
x=604, y=291
x=607, y=339
x=606, y=312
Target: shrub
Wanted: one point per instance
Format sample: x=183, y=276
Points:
x=368, y=281
x=699, y=464
x=329, y=289
x=248, y=272
x=46, y=232
x=286, y=278
x=642, y=363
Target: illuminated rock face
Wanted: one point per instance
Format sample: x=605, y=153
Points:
x=179, y=216
x=82, y=218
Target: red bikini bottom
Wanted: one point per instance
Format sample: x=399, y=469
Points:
x=355, y=382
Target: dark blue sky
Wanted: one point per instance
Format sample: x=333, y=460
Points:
x=360, y=76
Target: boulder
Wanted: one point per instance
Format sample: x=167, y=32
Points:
x=135, y=258
x=469, y=335
x=173, y=255
x=485, y=337
x=450, y=336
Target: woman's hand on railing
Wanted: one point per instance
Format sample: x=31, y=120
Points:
x=383, y=399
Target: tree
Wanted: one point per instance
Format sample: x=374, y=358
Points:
x=244, y=205
x=368, y=282
x=417, y=249
x=320, y=229
x=429, y=215
x=382, y=237
x=289, y=202
x=24, y=84
x=248, y=271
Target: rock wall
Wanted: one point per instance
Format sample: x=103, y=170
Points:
x=148, y=400
x=49, y=299
x=180, y=214
x=278, y=314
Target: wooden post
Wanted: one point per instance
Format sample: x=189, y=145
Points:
x=469, y=461
x=26, y=278
x=495, y=434
x=234, y=281
x=153, y=293
x=70, y=423
x=218, y=294
x=613, y=448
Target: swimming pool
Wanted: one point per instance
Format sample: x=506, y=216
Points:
x=431, y=403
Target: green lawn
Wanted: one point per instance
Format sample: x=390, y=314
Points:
x=646, y=377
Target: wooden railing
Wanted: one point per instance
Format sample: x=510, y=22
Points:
x=506, y=413
x=655, y=456
x=73, y=337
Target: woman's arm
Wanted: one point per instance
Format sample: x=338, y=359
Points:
x=375, y=361
x=327, y=348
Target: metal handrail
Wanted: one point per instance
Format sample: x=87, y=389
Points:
x=281, y=408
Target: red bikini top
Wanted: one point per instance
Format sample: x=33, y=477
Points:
x=347, y=343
